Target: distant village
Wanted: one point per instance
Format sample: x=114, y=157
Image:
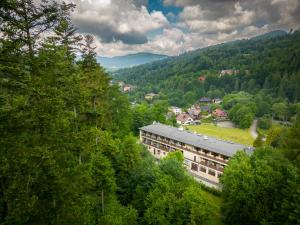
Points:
x=205, y=108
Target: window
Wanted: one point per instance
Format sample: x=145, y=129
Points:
x=186, y=162
x=219, y=175
x=212, y=172
x=158, y=152
x=219, y=166
x=203, y=169
x=154, y=151
x=195, y=158
x=194, y=167
x=149, y=147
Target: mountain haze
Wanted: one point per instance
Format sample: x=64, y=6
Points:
x=129, y=60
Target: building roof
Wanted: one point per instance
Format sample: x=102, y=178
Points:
x=175, y=108
x=205, y=99
x=201, y=141
x=201, y=78
x=194, y=112
x=219, y=112
x=183, y=117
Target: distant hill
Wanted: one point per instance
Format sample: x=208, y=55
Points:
x=270, y=61
x=129, y=60
x=272, y=34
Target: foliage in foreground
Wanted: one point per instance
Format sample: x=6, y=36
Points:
x=261, y=189
x=67, y=156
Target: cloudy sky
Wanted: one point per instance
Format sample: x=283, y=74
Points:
x=175, y=26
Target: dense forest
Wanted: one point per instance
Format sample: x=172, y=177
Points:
x=68, y=154
x=270, y=63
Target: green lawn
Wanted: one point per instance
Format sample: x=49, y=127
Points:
x=215, y=205
x=231, y=134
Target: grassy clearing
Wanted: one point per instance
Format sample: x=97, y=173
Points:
x=231, y=134
x=215, y=204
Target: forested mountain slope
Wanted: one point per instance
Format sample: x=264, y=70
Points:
x=129, y=60
x=269, y=62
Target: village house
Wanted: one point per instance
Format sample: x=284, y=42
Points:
x=217, y=100
x=150, y=96
x=201, y=78
x=128, y=88
x=228, y=72
x=175, y=110
x=219, y=114
x=194, y=112
x=205, y=108
x=184, y=119
x=204, y=157
x=205, y=100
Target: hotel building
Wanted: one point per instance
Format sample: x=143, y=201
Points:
x=204, y=157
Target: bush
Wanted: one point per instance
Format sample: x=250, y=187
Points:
x=264, y=122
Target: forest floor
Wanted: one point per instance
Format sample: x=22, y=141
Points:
x=242, y=136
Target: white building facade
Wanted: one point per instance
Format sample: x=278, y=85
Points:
x=204, y=157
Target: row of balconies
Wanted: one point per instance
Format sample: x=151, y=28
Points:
x=203, y=152
x=202, y=161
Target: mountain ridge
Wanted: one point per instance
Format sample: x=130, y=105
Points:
x=261, y=62
x=129, y=60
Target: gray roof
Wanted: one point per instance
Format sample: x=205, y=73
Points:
x=205, y=99
x=202, y=141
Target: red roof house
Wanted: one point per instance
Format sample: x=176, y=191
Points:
x=201, y=78
x=219, y=113
x=184, y=119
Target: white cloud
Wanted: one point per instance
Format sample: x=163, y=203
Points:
x=114, y=20
x=194, y=18
x=122, y=26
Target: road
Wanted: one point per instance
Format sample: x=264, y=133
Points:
x=253, y=129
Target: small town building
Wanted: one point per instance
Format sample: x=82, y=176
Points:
x=220, y=114
x=175, y=110
x=184, y=119
x=205, y=100
x=128, y=88
x=228, y=72
x=201, y=78
x=150, y=96
x=217, y=100
x=195, y=112
x=204, y=157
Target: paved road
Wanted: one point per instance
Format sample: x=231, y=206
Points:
x=253, y=129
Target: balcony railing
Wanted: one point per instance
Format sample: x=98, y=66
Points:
x=205, y=163
x=190, y=150
x=212, y=166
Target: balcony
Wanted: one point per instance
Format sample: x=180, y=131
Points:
x=200, y=152
x=212, y=166
x=158, y=146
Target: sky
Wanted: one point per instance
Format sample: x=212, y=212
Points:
x=173, y=27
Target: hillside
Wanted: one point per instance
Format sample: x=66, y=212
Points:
x=129, y=60
x=270, y=61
